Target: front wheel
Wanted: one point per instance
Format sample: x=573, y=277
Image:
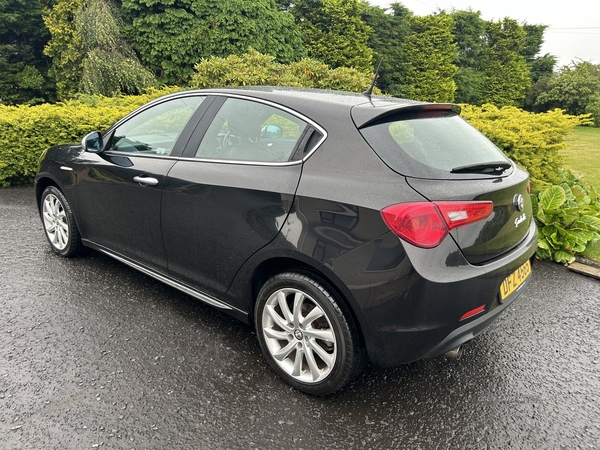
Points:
x=59, y=223
x=306, y=335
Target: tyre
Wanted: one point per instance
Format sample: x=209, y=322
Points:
x=59, y=223
x=306, y=335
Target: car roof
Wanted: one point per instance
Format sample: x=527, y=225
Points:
x=323, y=105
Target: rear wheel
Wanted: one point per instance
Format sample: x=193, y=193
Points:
x=59, y=223
x=305, y=334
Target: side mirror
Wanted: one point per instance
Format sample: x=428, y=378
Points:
x=92, y=142
x=271, y=132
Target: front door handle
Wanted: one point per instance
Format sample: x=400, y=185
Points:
x=146, y=181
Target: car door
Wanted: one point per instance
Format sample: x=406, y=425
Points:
x=231, y=193
x=120, y=189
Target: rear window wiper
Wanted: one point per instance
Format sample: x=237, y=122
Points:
x=493, y=167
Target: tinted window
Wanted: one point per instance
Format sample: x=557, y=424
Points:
x=430, y=144
x=245, y=130
x=156, y=129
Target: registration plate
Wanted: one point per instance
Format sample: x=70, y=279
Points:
x=514, y=280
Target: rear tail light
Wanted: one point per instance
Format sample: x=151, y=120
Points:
x=426, y=224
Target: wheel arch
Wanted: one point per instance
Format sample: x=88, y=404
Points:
x=276, y=265
x=41, y=184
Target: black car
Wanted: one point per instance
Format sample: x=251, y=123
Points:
x=348, y=228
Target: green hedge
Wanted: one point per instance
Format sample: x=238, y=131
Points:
x=26, y=131
x=531, y=140
x=257, y=69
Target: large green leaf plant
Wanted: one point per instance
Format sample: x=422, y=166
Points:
x=568, y=218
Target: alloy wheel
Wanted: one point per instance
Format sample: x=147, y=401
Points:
x=299, y=335
x=55, y=222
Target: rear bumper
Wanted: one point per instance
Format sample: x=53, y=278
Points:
x=411, y=309
x=468, y=331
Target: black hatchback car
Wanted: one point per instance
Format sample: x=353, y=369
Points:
x=347, y=228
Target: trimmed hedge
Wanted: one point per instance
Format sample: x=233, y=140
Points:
x=531, y=140
x=26, y=131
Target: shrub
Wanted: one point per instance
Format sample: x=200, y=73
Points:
x=257, y=69
x=26, y=131
x=531, y=140
x=568, y=218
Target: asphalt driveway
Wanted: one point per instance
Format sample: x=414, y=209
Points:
x=96, y=355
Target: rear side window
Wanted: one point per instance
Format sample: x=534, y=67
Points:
x=430, y=144
x=244, y=130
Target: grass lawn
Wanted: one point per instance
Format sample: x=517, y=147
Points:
x=583, y=156
x=592, y=251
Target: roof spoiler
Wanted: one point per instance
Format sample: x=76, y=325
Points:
x=364, y=115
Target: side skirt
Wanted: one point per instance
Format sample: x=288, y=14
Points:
x=171, y=282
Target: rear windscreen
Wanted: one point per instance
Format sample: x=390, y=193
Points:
x=429, y=144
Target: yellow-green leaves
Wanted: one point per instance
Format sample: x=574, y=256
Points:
x=65, y=46
x=553, y=198
x=532, y=140
x=257, y=69
x=26, y=131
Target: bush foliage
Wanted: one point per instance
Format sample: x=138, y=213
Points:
x=531, y=140
x=26, y=131
x=257, y=69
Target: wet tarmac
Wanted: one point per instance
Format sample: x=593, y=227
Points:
x=96, y=355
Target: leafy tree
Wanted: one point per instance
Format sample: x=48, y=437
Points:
x=65, y=47
x=469, y=37
x=173, y=35
x=110, y=66
x=428, y=52
x=506, y=70
x=542, y=67
x=534, y=38
x=334, y=32
x=576, y=89
x=542, y=71
x=491, y=56
x=388, y=33
x=88, y=53
x=22, y=64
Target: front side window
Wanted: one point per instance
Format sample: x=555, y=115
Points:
x=244, y=130
x=155, y=130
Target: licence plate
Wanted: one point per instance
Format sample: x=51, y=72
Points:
x=514, y=280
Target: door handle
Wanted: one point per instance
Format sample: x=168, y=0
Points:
x=145, y=181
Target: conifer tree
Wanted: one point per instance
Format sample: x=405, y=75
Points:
x=334, y=32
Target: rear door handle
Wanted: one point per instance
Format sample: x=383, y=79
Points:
x=145, y=181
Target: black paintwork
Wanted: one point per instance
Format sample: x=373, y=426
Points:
x=222, y=228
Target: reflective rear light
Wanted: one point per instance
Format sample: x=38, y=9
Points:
x=473, y=312
x=426, y=224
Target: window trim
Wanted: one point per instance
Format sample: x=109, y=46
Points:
x=192, y=123
x=205, y=123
